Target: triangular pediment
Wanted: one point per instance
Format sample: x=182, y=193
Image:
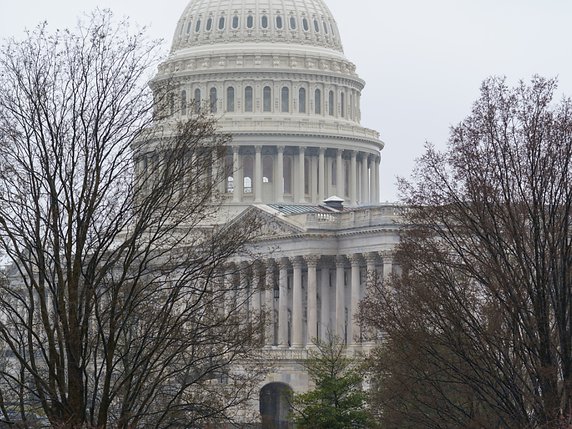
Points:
x=272, y=225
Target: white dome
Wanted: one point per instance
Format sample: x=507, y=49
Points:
x=294, y=22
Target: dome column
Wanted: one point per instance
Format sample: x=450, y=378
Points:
x=237, y=180
x=322, y=175
x=340, y=191
x=301, y=174
x=375, y=187
x=280, y=175
x=353, y=179
x=364, y=180
x=258, y=174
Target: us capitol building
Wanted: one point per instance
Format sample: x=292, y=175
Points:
x=275, y=73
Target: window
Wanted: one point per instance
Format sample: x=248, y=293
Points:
x=209, y=24
x=316, y=26
x=198, y=26
x=305, y=24
x=343, y=104
x=331, y=103
x=267, y=99
x=318, y=102
x=249, y=22
x=292, y=22
x=302, y=100
x=264, y=21
x=221, y=23
x=230, y=99
x=235, y=22
x=189, y=27
x=325, y=27
x=248, y=99
x=285, y=100
x=212, y=100
x=267, y=169
x=279, y=22
x=183, y=102
x=197, y=100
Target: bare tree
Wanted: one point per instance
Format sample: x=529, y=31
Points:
x=117, y=311
x=478, y=327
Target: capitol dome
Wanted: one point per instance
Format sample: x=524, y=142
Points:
x=274, y=74
x=294, y=22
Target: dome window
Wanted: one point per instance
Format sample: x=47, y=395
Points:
x=249, y=22
x=305, y=24
x=221, y=23
x=230, y=99
x=267, y=99
x=213, y=100
x=302, y=100
x=285, y=99
x=198, y=26
x=316, y=26
x=235, y=22
x=248, y=99
x=264, y=21
x=184, y=102
x=325, y=27
x=197, y=100
x=343, y=104
x=331, y=103
x=292, y=22
x=318, y=102
x=189, y=27
x=279, y=22
x=209, y=24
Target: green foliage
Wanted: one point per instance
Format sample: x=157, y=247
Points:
x=337, y=401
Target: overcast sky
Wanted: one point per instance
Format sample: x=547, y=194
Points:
x=423, y=61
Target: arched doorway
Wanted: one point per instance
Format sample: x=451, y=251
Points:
x=275, y=406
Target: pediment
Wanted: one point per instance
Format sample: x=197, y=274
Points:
x=273, y=226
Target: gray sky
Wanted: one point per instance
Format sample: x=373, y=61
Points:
x=423, y=61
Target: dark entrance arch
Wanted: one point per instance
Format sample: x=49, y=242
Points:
x=275, y=406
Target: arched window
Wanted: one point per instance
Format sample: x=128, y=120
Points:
x=316, y=26
x=248, y=105
x=235, y=22
x=343, y=104
x=302, y=100
x=198, y=26
x=292, y=22
x=249, y=22
x=267, y=99
x=189, y=27
x=331, y=103
x=267, y=169
x=325, y=27
x=213, y=99
x=197, y=100
x=230, y=99
x=209, y=24
x=248, y=172
x=264, y=21
x=305, y=25
x=279, y=22
x=318, y=102
x=183, y=102
x=221, y=23
x=285, y=99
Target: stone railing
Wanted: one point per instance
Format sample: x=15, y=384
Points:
x=277, y=124
x=366, y=217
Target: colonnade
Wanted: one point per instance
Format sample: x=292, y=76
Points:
x=311, y=296
x=301, y=174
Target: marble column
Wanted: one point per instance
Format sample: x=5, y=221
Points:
x=353, y=179
x=280, y=175
x=312, y=302
x=376, y=161
x=283, y=302
x=314, y=180
x=364, y=180
x=387, y=260
x=269, y=304
x=301, y=179
x=371, y=262
x=340, y=297
x=325, y=329
x=322, y=175
x=340, y=191
x=297, y=302
x=237, y=179
x=255, y=304
x=258, y=174
x=353, y=326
